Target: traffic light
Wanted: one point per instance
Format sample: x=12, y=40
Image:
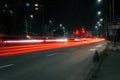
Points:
x=83, y=31
x=77, y=32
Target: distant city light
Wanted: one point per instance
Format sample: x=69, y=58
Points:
x=61, y=25
x=50, y=21
x=96, y=27
x=54, y=30
x=4, y=10
x=98, y=22
x=36, y=5
x=31, y=16
x=101, y=20
x=27, y=4
x=11, y=11
x=99, y=0
x=36, y=9
x=99, y=12
x=6, y=5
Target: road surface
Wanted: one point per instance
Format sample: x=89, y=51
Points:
x=68, y=63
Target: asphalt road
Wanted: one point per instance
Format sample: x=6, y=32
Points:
x=72, y=63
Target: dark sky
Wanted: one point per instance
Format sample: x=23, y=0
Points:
x=74, y=13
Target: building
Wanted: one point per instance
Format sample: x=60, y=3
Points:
x=21, y=16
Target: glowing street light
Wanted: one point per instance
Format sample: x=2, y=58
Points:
x=98, y=22
x=27, y=4
x=99, y=12
x=96, y=27
x=36, y=8
x=61, y=25
x=6, y=5
x=50, y=21
x=63, y=28
x=36, y=5
x=31, y=16
x=99, y=1
x=101, y=20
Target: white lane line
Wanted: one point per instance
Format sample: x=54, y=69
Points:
x=6, y=66
x=99, y=46
x=52, y=54
x=92, y=49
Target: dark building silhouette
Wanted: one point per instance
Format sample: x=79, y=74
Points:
x=16, y=14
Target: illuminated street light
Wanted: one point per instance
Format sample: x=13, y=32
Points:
x=4, y=10
x=50, y=21
x=101, y=20
x=6, y=5
x=61, y=25
x=99, y=1
x=98, y=22
x=96, y=27
x=11, y=12
x=36, y=5
x=36, y=9
x=99, y=12
x=31, y=16
x=54, y=30
x=27, y=4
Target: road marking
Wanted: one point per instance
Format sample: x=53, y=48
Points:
x=6, y=66
x=99, y=46
x=52, y=54
x=92, y=49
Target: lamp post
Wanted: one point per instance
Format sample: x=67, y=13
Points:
x=26, y=23
x=96, y=27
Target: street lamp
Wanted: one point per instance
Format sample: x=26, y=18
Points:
x=101, y=20
x=27, y=4
x=61, y=25
x=50, y=21
x=31, y=16
x=96, y=27
x=99, y=24
x=26, y=23
x=99, y=12
x=99, y=1
x=6, y=5
x=36, y=5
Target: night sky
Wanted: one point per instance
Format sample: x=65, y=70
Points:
x=77, y=13
x=73, y=13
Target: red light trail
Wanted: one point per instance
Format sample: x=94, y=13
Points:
x=15, y=50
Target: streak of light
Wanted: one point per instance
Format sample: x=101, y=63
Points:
x=14, y=50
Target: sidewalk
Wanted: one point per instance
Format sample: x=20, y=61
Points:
x=110, y=68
